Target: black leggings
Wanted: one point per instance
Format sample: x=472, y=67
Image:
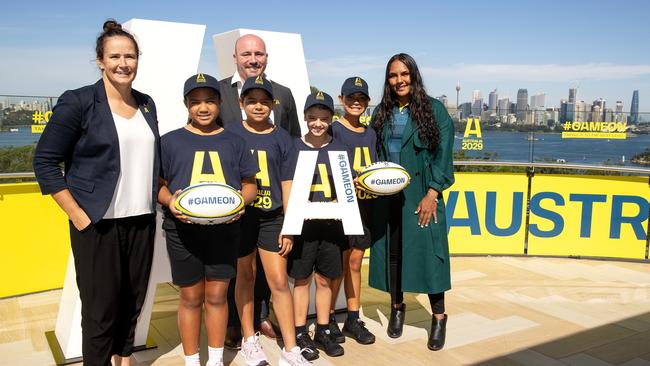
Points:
x=437, y=301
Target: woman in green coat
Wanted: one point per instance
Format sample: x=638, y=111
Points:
x=410, y=250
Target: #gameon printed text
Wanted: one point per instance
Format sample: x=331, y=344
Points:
x=383, y=182
x=211, y=200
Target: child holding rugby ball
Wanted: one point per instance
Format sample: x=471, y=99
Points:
x=262, y=223
x=203, y=258
x=362, y=149
x=317, y=251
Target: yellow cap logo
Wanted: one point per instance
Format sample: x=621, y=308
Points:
x=358, y=82
x=259, y=80
x=200, y=78
x=320, y=96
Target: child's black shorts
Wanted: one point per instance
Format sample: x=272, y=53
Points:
x=319, y=249
x=201, y=251
x=260, y=229
x=363, y=242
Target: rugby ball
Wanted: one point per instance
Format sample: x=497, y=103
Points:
x=209, y=203
x=384, y=178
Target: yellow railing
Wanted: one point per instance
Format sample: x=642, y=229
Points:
x=487, y=213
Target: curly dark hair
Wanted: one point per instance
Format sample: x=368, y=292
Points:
x=420, y=106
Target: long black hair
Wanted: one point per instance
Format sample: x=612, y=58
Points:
x=420, y=106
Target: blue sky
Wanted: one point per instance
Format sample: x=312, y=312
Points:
x=544, y=46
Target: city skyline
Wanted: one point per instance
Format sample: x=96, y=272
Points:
x=48, y=46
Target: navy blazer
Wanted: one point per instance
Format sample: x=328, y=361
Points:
x=284, y=106
x=81, y=133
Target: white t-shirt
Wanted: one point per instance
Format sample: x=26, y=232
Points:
x=132, y=196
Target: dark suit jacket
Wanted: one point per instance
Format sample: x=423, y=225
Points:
x=284, y=107
x=81, y=133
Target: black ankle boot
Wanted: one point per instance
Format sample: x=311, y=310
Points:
x=438, y=331
x=396, y=322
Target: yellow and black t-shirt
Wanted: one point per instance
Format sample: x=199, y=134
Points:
x=276, y=157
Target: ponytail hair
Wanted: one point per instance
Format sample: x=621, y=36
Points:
x=112, y=28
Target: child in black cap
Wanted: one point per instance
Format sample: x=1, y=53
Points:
x=317, y=252
x=361, y=143
x=203, y=258
x=261, y=225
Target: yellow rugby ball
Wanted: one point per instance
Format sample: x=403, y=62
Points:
x=209, y=203
x=384, y=178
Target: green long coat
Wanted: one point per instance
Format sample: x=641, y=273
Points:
x=425, y=251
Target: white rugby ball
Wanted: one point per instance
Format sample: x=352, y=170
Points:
x=384, y=178
x=209, y=203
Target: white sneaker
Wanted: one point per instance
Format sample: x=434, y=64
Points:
x=253, y=353
x=292, y=358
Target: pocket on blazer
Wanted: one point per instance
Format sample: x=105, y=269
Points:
x=80, y=183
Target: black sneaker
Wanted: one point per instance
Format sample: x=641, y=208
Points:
x=327, y=343
x=307, y=346
x=357, y=329
x=335, y=331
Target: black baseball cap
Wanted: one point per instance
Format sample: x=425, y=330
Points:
x=201, y=81
x=353, y=85
x=319, y=98
x=257, y=82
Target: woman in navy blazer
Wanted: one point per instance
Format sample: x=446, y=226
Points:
x=107, y=137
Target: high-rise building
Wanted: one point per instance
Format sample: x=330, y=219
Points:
x=477, y=107
x=465, y=110
x=522, y=105
x=538, y=101
x=458, y=95
x=618, y=116
x=596, y=115
x=573, y=93
x=504, y=107
x=563, y=111
x=571, y=113
x=600, y=102
x=476, y=94
x=634, y=108
x=493, y=101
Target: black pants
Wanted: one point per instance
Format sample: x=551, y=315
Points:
x=261, y=298
x=112, y=259
x=437, y=301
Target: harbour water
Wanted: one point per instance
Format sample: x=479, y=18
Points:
x=508, y=146
x=551, y=147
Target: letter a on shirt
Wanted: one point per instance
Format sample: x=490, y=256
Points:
x=197, y=168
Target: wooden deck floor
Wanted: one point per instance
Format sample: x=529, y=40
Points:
x=502, y=311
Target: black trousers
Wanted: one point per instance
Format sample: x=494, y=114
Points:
x=113, y=260
x=437, y=301
x=261, y=298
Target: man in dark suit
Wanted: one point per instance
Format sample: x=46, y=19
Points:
x=250, y=57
